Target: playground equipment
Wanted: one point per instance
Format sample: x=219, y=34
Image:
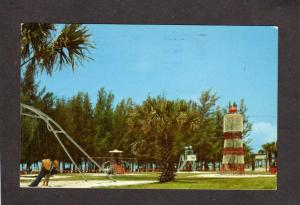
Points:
x=187, y=159
x=233, y=152
x=56, y=129
x=129, y=163
x=115, y=164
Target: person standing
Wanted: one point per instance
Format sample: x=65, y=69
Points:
x=46, y=165
x=54, y=169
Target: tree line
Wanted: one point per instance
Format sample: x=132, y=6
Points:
x=154, y=131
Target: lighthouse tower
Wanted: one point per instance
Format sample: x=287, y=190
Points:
x=233, y=152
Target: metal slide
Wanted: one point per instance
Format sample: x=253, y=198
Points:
x=56, y=129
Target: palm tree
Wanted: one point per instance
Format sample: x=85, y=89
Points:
x=42, y=48
x=155, y=125
x=270, y=149
x=275, y=152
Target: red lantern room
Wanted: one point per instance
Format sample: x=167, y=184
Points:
x=233, y=109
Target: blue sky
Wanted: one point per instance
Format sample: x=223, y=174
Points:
x=181, y=61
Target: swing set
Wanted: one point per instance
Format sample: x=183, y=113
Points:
x=57, y=130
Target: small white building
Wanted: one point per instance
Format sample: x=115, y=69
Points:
x=261, y=161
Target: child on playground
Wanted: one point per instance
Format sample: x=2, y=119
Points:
x=44, y=171
x=47, y=163
x=54, y=169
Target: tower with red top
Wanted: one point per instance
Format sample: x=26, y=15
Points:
x=233, y=152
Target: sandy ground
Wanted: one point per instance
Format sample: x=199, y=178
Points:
x=31, y=177
x=103, y=174
x=86, y=184
x=27, y=179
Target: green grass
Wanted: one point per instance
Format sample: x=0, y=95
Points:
x=257, y=172
x=211, y=183
x=185, y=181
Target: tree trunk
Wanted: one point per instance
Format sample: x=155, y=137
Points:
x=206, y=168
x=64, y=166
x=270, y=163
x=28, y=164
x=253, y=165
x=85, y=165
x=166, y=162
x=36, y=166
x=201, y=166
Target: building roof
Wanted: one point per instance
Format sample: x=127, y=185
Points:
x=260, y=156
x=115, y=151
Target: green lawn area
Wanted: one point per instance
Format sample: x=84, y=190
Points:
x=185, y=181
x=211, y=183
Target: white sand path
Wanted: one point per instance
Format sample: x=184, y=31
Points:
x=31, y=177
x=87, y=184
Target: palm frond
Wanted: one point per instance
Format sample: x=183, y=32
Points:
x=72, y=45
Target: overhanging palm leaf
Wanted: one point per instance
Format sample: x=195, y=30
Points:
x=33, y=37
x=72, y=44
x=38, y=45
